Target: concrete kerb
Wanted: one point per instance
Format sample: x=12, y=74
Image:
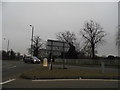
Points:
x=80, y=78
x=44, y=80
x=35, y=78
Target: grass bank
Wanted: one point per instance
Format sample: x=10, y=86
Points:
x=59, y=73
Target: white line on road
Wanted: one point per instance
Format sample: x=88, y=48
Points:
x=12, y=67
x=7, y=81
x=56, y=80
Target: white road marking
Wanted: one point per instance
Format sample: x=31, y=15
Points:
x=12, y=67
x=76, y=79
x=7, y=81
x=56, y=80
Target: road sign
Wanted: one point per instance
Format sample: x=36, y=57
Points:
x=56, y=47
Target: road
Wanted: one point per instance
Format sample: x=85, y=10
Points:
x=12, y=69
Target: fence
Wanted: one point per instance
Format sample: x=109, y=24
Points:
x=89, y=61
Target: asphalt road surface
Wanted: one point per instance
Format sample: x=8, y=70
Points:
x=12, y=69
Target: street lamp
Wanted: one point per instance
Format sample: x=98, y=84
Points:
x=7, y=44
x=118, y=40
x=32, y=28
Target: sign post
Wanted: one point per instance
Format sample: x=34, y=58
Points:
x=50, y=65
x=63, y=55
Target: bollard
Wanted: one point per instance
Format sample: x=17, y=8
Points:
x=45, y=62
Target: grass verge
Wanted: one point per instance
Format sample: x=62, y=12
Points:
x=59, y=73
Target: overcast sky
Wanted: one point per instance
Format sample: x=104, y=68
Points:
x=50, y=17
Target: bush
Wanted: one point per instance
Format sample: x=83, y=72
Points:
x=111, y=57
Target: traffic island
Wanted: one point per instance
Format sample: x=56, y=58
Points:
x=59, y=73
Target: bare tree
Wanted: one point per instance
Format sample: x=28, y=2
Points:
x=37, y=45
x=70, y=38
x=93, y=34
x=86, y=49
x=66, y=36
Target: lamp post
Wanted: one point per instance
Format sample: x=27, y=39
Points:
x=7, y=44
x=118, y=40
x=32, y=28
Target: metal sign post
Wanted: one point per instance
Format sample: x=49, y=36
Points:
x=63, y=55
x=50, y=65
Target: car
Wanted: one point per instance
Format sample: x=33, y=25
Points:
x=31, y=59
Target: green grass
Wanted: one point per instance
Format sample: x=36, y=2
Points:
x=58, y=73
